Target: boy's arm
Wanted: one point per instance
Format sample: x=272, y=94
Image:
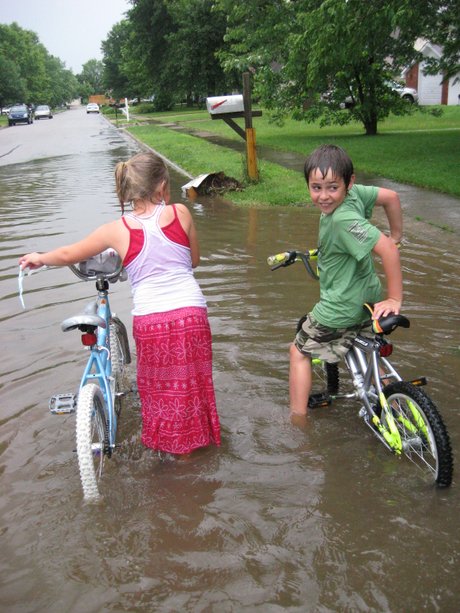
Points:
x=388, y=252
x=389, y=200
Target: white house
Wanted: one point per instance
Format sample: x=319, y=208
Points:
x=430, y=88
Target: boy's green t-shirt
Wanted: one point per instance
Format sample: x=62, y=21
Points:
x=346, y=268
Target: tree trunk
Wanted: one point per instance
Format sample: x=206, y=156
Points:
x=370, y=124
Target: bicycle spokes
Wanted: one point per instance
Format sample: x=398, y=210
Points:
x=388, y=427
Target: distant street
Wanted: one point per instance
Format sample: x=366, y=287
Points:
x=65, y=134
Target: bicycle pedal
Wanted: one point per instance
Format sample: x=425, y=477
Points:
x=321, y=399
x=419, y=381
x=60, y=404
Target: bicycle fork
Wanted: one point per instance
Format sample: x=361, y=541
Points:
x=369, y=387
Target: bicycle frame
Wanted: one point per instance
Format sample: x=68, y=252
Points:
x=99, y=366
x=363, y=363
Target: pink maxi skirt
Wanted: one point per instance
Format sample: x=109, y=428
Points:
x=174, y=377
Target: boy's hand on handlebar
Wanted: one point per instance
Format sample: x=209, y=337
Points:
x=31, y=260
x=385, y=307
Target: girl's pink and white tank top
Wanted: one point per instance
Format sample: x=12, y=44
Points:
x=161, y=275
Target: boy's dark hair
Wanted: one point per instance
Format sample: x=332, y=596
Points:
x=329, y=157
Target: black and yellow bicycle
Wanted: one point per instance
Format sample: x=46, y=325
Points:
x=398, y=412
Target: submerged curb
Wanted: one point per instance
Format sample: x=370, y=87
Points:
x=147, y=147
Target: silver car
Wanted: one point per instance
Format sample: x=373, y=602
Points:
x=42, y=111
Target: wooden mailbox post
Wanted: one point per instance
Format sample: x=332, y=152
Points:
x=221, y=109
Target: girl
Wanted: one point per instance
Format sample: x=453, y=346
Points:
x=159, y=248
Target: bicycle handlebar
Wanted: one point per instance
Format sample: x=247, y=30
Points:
x=107, y=265
x=286, y=258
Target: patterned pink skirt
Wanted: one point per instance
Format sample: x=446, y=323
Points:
x=174, y=377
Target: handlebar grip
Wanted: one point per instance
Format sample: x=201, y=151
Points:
x=279, y=258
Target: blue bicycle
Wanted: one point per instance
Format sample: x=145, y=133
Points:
x=98, y=401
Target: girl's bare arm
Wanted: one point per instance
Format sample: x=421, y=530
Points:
x=189, y=228
x=108, y=235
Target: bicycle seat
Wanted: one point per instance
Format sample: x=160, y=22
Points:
x=89, y=317
x=390, y=322
x=387, y=324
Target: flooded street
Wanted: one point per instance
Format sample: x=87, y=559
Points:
x=277, y=518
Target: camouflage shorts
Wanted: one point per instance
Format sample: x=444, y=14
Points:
x=328, y=344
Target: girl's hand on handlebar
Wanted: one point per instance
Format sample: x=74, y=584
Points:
x=390, y=305
x=32, y=261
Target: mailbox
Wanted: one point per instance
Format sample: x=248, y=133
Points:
x=220, y=105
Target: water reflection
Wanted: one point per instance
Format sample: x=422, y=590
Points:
x=278, y=518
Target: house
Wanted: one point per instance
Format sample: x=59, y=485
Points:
x=430, y=88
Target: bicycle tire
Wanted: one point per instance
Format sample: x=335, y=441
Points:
x=92, y=438
x=116, y=350
x=423, y=433
x=325, y=376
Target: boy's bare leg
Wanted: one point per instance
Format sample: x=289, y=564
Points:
x=299, y=381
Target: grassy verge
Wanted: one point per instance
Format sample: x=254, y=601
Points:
x=277, y=185
x=420, y=149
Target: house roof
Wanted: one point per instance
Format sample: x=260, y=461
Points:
x=428, y=49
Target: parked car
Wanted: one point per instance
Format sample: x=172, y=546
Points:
x=20, y=113
x=92, y=107
x=43, y=110
x=6, y=110
x=406, y=93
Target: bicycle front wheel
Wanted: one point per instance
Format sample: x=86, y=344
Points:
x=92, y=438
x=424, y=436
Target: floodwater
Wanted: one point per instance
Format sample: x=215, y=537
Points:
x=278, y=518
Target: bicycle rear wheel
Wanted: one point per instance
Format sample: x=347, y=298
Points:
x=325, y=383
x=119, y=346
x=119, y=357
x=424, y=436
x=92, y=438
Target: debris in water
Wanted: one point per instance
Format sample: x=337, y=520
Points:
x=210, y=184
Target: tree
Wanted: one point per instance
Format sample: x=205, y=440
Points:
x=168, y=48
x=12, y=85
x=28, y=73
x=23, y=48
x=62, y=84
x=91, y=76
x=114, y=77
x=345, y=48
x=147, y=63
x=193, y=46
x=441, y=26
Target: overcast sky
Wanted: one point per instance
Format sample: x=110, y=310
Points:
x=71, y=30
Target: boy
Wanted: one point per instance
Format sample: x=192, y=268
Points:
x=347, y=275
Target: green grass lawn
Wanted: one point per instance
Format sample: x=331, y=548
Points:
x=277, y=185
x=419, y=149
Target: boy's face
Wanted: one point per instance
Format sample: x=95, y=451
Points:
x=327, y=192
